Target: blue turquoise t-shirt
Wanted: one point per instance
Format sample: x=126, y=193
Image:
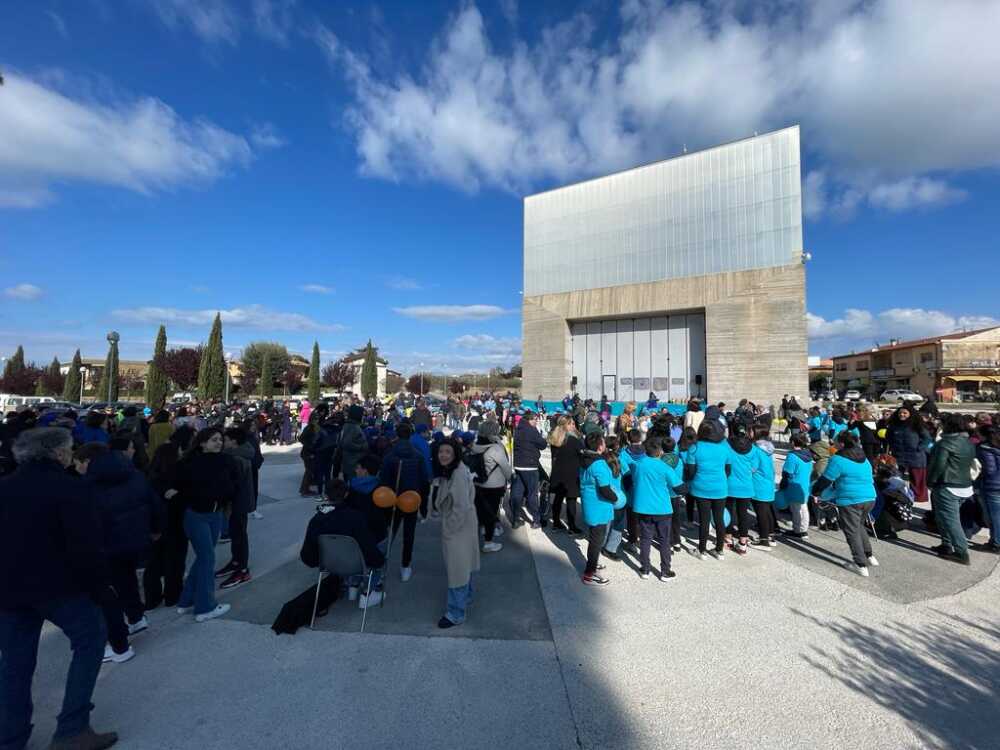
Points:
x=852, y=480
x=816, y=425
x=740, y=480
x=835, y=428
x=651, y=482
x=596, y=511
x=763, y=474
x=709, y=481
x=799, y=479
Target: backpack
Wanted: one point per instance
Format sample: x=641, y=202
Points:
x=476, y=463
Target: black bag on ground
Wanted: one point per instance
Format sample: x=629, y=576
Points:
x=296, y=613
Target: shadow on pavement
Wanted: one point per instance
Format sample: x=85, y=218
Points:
x=937, y=678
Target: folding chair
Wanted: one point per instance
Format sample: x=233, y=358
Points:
x=341, y=556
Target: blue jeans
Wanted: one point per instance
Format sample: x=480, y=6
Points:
x=524, y=489
x=992, y=502
x=199, y=587
x=615, y=529
x=459, y=598
x=83, y=623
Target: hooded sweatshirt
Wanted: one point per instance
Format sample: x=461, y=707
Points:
x=762, y=461
x=796, y=476
x=850, y=475
x=740, y=480
x=128, y=507
x=596, y=495
x=706, y=466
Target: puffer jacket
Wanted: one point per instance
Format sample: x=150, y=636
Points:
x=498, y=468
x=989, y=457
x=907, y=446
x=127, y=505
x=243, y=455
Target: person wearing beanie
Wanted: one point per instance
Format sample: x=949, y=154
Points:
x=491, y=471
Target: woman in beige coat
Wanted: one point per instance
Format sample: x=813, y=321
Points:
x=455, y=500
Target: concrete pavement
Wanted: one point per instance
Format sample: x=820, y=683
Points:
x=774, y=650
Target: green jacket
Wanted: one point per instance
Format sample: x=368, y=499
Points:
x=950, y=464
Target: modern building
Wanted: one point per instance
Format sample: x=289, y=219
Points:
x=947, y=367
x=684, y=278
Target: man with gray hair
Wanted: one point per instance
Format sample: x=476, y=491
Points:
x=51, y=564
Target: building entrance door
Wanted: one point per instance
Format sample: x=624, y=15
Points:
x=608, y=387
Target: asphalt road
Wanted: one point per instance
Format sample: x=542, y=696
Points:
x=772, y=650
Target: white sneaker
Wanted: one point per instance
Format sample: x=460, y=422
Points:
x=498, y=530
x=256, y=515
x=352, y=593
x=371, y=600
x=406, y=573
x=873, y=562
x=492, y=547
x=861, y=571
x=645, y=574
x=138, y=627
x=719, y=555
x=185, y=610
x=219, y=611
x=110, y=655
x=702, y=556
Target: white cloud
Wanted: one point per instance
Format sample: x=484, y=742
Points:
x=316, y=289
x=25, y=292
x=59, y=23
x=404, y=284
x=448, y=362
x=141, y=145
x=251, y=316
x=265, y=135
x=451, y=313
x=874, y=84
x=913, y=192
x=274, y=19
x=212, y=20
x=486, y=343
x=863, y=328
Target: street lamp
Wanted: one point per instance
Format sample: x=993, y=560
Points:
x=229, y=358
x=83, y=379
x=113, y=339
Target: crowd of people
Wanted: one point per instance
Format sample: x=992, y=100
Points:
x=88, y=500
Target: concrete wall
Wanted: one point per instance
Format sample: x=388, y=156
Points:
x=755, y=330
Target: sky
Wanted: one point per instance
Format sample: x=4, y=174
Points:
x=335, y=172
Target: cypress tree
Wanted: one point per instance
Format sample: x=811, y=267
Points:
x=15, y=365
x=51, y=379
x=266, y=378
x=156, y=378
x=110, y=372
x=369, y=373
x=71, y=390
x=314, y=375
x=212, y=371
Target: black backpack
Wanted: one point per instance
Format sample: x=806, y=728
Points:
x=476, y=463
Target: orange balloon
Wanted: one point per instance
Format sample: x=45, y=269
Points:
x=408, y=502
x=384, y=497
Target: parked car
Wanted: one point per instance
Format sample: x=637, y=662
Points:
x=852, y=394
x=14, y=402
x=899, y=395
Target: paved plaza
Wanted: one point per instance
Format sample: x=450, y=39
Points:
x=773, y=650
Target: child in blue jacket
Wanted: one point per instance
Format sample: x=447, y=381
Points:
x=740, y=484
x=762, y=460
x=653, y=481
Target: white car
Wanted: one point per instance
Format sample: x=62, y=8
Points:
x=900, y=395
x=852, y=394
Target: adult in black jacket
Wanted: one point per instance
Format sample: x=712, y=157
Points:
x=528, y=447
x=51, y=566
x=404, y=469
x=241, y=452
x=130, y=514
x=421, y=414
x=207, y=483
x=906, y=438
x=163, y=577
x=564, y=482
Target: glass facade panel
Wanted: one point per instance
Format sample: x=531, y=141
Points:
x=730, y=208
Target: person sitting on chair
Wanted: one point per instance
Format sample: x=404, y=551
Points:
x=335, y=516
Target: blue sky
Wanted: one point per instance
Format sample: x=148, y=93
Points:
x=340, y=171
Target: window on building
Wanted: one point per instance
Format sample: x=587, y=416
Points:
x=841, y=367
x=860, y=366
x=926, y=357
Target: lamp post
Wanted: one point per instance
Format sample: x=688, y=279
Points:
x=83, y=379
x=229, y=358
x=421, y=380
x=113, y=339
